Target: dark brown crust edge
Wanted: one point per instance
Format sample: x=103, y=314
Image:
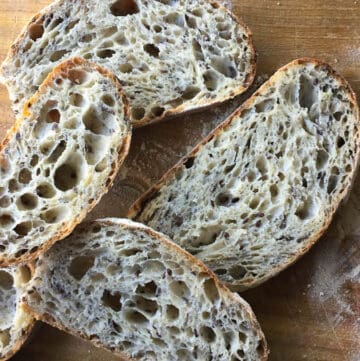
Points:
x=25, y=331
x=123, y=149
x=170, y=113
x=136, y=209
x=263, y=349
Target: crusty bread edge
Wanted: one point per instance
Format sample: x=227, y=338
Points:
x=25, y=331
x=170, y=113
x=122, y=151
x=126, y=223
x=25, y=334
x=136, y=209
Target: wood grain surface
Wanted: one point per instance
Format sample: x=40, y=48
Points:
x=311, y=312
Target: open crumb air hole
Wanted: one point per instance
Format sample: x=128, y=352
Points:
x=56, y=153
x=124, y=7
x=22, y=229
x=6, y=220
x=95, y=147
x=211, y=290
x=77, y=100
x=149, y=288
x=45, y=190
x=6, y=280
x=36, y=31
x=24, y=274
x=145, y=305
x=25, y=176
x=105, y=53
x=190, y=92
x=224, y=66
x=308, y=93
x=112, y=300
x=66, y=177
x=133, y=316
x=27, y=202
x=180, y=289
x=125, y=68
x=77, y=76
x=5, y=338
x=175, y=18
x=157, y=111
x=307, y=209
x=57, y=55
x=172, y=313
x=138, y=113
x=5, y=202
x=80, y=265
x=207, y=334
x=210, y=80
x=237, y=272
x=108, y=100
x=152, y=50
x=55, y=215
x=98, y=123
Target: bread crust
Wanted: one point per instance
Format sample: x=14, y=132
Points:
x=170, y=113
x=25, y=332
x=125, y=223
x=21, y=341
x=136, y=209
x=122, y=150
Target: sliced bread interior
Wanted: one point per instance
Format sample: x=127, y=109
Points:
x=261, y=189
x=170, y=55
x=15, y=322
x=60, y=157
x=129, y=289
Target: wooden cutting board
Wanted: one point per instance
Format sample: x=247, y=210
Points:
x=311, y=312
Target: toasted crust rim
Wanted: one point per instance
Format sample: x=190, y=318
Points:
x=25, y=331
x=123, y=150
x=137, y=207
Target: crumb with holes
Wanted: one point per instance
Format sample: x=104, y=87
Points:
x=261, y=189
x=131, y=290
x=170, y=55
x=60, y=157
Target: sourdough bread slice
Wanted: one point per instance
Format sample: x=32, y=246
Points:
x=262, y=188
x=129, y=289
x=15, y=322
x=170, y=55
x=60, y=157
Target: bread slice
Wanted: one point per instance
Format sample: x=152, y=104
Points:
x=129, y=289
x=261, y=189
x=60, y=157
x=170, y=55
x=15, y=322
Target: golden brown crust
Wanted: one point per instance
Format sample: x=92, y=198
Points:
x=136, y=209
x=26, y=331
x=51, y=321
x=20, y=342
x=122, y=151
x=170, y=113
x=201, y=268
